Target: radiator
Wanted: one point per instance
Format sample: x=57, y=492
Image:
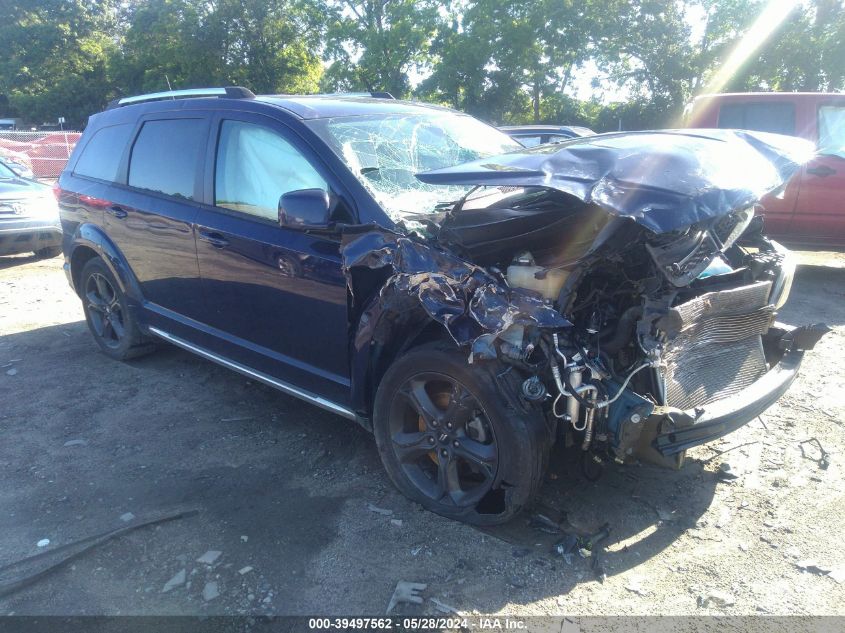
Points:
x=713, y=344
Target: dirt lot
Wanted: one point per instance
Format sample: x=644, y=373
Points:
x=286, y=493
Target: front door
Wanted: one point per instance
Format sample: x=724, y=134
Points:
x=276, y=297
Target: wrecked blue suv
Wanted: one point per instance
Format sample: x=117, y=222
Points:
x=470, y=301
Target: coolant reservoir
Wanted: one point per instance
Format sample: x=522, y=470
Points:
x=523, y=273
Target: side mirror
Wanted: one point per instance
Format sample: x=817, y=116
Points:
x=305, y=209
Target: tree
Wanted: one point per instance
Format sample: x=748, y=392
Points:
x=266, y=46
x=374, y=45
x=501, y=58
x=56, y=56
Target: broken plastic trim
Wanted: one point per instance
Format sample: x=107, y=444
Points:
x=475, y=308
x=663, y=180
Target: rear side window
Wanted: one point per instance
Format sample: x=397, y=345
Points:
x=832, y=131
x=165, y=156
x=101, y=156
x=778, y=117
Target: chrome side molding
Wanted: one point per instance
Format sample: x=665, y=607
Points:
x=284, y=387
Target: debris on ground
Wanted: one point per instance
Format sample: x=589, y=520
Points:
x=716, y=598
x=177, y=580
x=11, y=372
x=209, y=557
x=443, y=607
x=813, y=567
x=244, y=538
x=39, y=565
x=396, y=522
x=586, y=546
x=75, y=443
x=408, y=592
x=378, y=510
x=210, y=591
x=824, y=458
x=126, y=517
x=544, y=524
x=566, y=546
x=245, y=570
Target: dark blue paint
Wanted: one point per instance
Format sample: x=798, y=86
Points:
x=262, y=295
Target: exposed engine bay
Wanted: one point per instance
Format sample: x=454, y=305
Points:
x=631, y=313
x=674, y=320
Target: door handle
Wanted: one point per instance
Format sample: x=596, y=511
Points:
x=215, y=239
x=821, y=171
x=117, y=211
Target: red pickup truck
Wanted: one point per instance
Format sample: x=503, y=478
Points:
x=811, y=209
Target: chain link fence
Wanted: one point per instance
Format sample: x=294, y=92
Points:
x=39, y=155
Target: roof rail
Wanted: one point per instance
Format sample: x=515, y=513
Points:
x=375, y=95
x=232, y=92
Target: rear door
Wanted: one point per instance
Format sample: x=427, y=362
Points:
x=151, y=218
x=820, y=210
x=276, y=297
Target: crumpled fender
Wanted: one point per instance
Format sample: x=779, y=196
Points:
x=399, y=284
x=663, y=180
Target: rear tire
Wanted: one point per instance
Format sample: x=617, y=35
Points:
x=112, y=324
x=48, y=252
x=453, y=441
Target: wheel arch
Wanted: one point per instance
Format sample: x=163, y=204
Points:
x=90, y=241
x=383, y=335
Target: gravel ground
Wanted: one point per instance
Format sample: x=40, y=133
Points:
x=305, y=520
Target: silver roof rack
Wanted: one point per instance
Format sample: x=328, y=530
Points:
x=232, y=92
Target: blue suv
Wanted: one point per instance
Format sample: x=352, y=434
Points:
x=471, y=302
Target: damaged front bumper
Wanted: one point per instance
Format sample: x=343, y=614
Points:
x=675, y=431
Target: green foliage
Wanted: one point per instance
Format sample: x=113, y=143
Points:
x=506, y=61
x=56, y=56
x=375, y=44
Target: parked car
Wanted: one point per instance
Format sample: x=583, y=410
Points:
x=532, y=135
x=811, y=209
x=17, y=165
x=29, y=217
x=470, y=301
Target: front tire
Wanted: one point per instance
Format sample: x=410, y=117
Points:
x=453, y=441
x=109, y=319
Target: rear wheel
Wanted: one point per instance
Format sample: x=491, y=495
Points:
x=109, y=319
x=450, y=440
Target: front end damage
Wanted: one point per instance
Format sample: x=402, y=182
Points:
x=624, y=279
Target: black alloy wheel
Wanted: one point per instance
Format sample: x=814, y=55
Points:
x=105, y=311
x=453, y=438
x=442, y=439
x=112, y=324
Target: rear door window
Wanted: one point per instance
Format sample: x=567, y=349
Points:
x=777, y=117
x=101, y=156
x=165, y=156
x=832, y=131
x=255, y=166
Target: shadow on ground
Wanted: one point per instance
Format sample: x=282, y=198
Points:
x=279, y=485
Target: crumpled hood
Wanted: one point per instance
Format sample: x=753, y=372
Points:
x=663, y=180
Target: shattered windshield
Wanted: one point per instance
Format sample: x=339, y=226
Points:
x=386, y=151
